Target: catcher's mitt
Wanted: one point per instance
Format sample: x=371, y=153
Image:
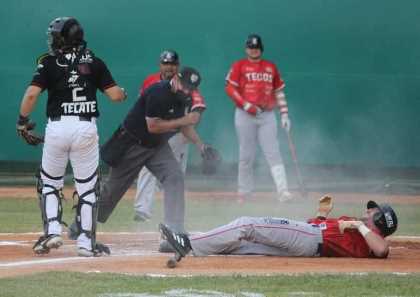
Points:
x=25, y=130
x=211, y=160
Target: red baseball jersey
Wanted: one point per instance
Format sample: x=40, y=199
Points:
x=197, y=99
x=256, y=82
x=335, y=244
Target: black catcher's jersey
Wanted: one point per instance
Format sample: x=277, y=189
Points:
x=72, y=85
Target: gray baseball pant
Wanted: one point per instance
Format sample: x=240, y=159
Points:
x=162, y=163
x=252, y=130
x=147, y=182
x=260, y=236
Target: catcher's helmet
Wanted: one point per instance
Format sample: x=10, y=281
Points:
x=254, y=41
x=385, y=219
x=64, y=33
x=189, y=77
x=169, y=57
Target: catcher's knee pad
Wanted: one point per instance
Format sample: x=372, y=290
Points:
x=49, y=201
x=88, y=199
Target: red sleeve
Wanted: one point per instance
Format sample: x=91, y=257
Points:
x=278, y=83
x=150, y=80
x=197, y=100
x=234, y=74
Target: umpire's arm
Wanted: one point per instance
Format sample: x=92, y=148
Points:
x=158, y=125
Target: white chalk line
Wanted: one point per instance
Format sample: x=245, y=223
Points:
x=74, y=259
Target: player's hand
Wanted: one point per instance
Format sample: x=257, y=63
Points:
x=24, y=128
x=343, y=225
x=252, y=109
x=285, y=122
x=192, y=118
x=325, y=206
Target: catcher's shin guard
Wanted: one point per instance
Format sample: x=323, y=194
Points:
x=88, y=199
x=46, y=195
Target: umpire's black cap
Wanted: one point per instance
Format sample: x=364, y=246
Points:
x=189, y=77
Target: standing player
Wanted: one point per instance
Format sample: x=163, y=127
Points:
x=319, y=237
x=146, y=182
x=71, y=74
x=256, y=88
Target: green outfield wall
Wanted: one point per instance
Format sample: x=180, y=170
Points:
x=351, y=67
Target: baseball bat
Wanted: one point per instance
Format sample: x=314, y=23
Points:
x=292, y=148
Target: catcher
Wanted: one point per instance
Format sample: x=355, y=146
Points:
x=318, y=237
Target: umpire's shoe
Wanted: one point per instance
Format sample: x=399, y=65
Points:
x=99, y=250
x=179, y=241
x=47, y=242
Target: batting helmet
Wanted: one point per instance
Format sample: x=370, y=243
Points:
x=63, y=33
x=254, y=41
x=385, y=219
x=169, y=57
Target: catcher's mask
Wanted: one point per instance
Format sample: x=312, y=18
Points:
x=385, y=219
x=64, y=33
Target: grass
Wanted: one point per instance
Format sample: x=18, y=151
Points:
x=23, y=215
x=107, y=285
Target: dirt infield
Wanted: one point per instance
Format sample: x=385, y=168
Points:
x=135, y=253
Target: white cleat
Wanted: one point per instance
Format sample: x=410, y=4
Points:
x=284, y=196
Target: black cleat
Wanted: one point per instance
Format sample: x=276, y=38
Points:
x=179, y=241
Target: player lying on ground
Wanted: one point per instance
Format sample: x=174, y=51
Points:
x=318, y=237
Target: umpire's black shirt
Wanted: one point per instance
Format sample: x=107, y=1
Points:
x=158, y=101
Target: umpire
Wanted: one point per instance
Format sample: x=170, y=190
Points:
x=142, y=140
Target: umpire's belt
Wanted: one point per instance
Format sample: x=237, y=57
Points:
x=81, y=118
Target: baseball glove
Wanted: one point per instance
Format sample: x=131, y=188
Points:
x=325, y=206
x=25, y=130
x=211, y=160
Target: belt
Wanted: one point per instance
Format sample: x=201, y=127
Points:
x=319, y=250
x=81, y=118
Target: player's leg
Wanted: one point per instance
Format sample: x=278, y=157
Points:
x=50, y=181
x=246, y=130
x=168, y=171
x=143, y=200
x=84, y=158
x=268, y=139
x=147, y=183
x=120, y=178
x=179, y=146
x=291, y=238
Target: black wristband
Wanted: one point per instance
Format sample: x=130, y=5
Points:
x=22, y=120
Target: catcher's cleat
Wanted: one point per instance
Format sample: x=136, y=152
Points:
x=284, y=196
x=99, y=250
x=46, y=243
x=180, y=242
